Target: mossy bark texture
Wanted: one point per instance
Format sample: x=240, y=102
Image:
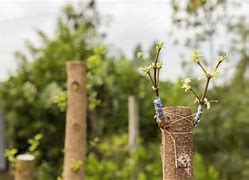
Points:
x=177, y=143
x=75, y=140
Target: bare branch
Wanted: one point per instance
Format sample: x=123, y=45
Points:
x=202, y=68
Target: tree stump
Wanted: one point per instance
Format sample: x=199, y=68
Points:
x=177, y=143
x=133, y=109
x=75, y=140
x=25, y=167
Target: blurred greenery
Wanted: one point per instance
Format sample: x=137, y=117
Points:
x=34, y=101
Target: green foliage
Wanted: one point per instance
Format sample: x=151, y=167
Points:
x=97, y=69
x=202, y=172
x=34, y=144
x=224, y=126
x=33, y=149
x=112, y=160
x=61, y=100
x=46, y=171
x=76, y=165
x=11, y=155
x=34, y=98
x=31, y=97
x=221, y=135
x=53, y=94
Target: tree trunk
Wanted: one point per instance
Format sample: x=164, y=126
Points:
x=25, y=167
x=75, y=140
x=133, y=109
x=177, y=143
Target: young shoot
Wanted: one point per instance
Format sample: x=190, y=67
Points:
x=197, y=58
x=152, y=70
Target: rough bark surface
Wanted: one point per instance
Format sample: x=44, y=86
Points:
x=133, y=109
x=25, y=167
x=75, y=140
x=177, y=157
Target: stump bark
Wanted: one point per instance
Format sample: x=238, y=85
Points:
x=177, y=143
x=75, y=138
x=25, y=167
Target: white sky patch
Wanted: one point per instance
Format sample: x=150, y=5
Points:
x=136, y=22
x=11, y=10
x=18, y=23
x=132, y=22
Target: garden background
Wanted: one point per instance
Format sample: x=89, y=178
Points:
x=33, y=96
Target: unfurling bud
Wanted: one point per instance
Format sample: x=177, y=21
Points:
x=196, y=56
x=159, y=45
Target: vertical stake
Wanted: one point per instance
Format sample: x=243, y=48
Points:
x=133, y=108
x=75, y=137
x=25, y=167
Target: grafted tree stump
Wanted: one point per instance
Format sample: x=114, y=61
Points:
x=75, y=140
x=177, y=143
x=25, y=167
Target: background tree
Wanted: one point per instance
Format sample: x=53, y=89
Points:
x=28, y=96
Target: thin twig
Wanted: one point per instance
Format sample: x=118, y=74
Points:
x=155, y=87
x=202, y=68
x=151, y=80
x=217, y=65
x=157, y=55
x=205, y=90
x=157, y=83
x=155, y=72
x=195, y=94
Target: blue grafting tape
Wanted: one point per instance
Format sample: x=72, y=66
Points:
x=159, y=108
x=198, y=114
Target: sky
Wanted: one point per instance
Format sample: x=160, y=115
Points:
x=19, y=21
x=130, y=23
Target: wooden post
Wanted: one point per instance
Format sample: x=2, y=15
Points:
x=177, y=143
x=2, y=143
x=25, y=167
x=133, y=109
x=75, y=140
